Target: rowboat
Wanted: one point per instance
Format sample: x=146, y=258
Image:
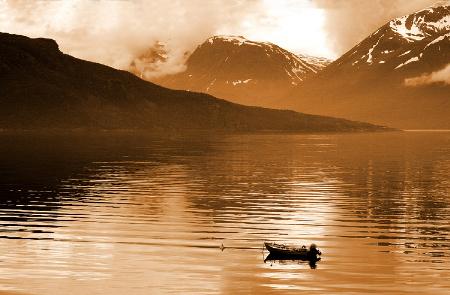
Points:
x=288, y=251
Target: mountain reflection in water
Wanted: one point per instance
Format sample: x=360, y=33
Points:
x=116, y=213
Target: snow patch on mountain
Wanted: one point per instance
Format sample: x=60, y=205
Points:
x=424, y=23
x=211, y=84
x=370, y=57
x=238, y=40
x=414, y=59
x=412, y=33
x=437, y=40
x=237, y=82
x=405, y=53
x=319, y=62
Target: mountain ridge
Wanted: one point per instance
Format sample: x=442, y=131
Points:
x=243, y=71
x=41, y=87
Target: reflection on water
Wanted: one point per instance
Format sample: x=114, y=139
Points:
x=271, y=258
x=120, y=213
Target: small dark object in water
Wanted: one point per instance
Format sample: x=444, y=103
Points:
x=302, y=253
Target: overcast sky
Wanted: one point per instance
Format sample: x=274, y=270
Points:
x=113, y=32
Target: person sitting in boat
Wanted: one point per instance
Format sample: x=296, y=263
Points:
x=314, y=251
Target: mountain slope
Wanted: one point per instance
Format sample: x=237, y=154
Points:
x=243, y=71
x=40, y=87
x=384, y=78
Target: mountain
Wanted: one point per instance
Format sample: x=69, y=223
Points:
x=41, y=87
x=398, y=76
x=243, y=71
x=147, y=64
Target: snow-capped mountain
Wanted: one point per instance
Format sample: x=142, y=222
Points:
x=319, y=62
x=243, y=71
x=398, y=76
x=404, y=41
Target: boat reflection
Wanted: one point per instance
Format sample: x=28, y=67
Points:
x=289, y=259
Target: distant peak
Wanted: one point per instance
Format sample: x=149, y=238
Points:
x=232, y=39
x=315, y=58
x=423, y=23
x=238, y=40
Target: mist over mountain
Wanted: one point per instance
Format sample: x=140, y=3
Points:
x=41, y=87
x=240, y=70
x=396, y=76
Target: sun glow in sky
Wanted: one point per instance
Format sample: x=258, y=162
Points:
x=295, y=25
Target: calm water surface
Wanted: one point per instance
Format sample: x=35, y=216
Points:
x=133, y=214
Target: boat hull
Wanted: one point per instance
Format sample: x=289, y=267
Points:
x=279, y=250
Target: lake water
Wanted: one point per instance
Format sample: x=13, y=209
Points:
x=134, y=214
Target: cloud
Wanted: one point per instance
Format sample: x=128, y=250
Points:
x=441, y=76
x=350, y=21
x=114, y=32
